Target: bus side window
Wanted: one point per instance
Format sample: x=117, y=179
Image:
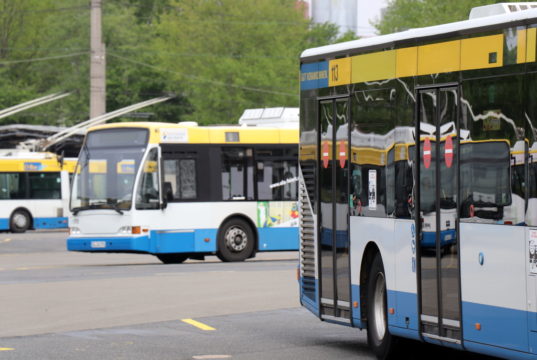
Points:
x=148, y=189
x=180, y=179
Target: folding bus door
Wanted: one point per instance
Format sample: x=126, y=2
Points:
x=438, y=254
x=334, y=194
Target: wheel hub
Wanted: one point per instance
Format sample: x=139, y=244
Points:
x=236, y=239
x=20, y=220
x=380, y=306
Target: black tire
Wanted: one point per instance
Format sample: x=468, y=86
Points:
x=20, y=221
x=379, y=339
x=235, y=241
x=174, y=258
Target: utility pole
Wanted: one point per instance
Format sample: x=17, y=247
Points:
x=97, y=62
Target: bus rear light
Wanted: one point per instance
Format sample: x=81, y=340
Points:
x=145, y=230
x=297, y=274
x=478, y=326
x=392, y=311
x=136, y=230
x=355, y=304
x=207, y=240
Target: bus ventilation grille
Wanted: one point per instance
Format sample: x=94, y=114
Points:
x=307, y=234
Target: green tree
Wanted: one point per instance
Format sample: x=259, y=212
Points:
x=406, y=14
x=133, y=73
x=231, y=55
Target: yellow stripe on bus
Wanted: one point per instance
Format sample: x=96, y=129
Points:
x=374, y=66
x=531, y=37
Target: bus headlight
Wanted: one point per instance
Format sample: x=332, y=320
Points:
x=125, y=230
x=74, y=230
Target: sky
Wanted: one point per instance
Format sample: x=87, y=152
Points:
x=369, y=10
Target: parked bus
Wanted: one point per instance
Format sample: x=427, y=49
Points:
x=181, y=191
x=34, y=190
x=417, y=185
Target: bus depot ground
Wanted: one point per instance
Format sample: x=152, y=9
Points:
x=56, y=304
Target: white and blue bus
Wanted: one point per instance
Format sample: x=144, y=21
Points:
x=417, y=185
x=181, y=191
x=34, y=190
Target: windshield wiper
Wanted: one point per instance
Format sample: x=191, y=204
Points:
x=116, y=208
x=76, y=210
x=101, y=205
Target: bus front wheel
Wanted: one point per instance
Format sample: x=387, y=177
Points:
x=20, y=221
x=379, y=338
x=172, y=258
x=235, y=241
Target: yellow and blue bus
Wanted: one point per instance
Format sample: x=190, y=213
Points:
x=181, y=191
x=417, y=185
x=34, y=190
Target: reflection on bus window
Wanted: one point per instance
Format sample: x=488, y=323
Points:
x=31, y=185
x=180, y=179
x=107, y=168
x=485, y=180
x=236, y=179
x=277, y=174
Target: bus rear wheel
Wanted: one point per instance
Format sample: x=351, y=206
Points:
x=175, y=258
x=235, y=241
x=20, y=221
x=379, y=339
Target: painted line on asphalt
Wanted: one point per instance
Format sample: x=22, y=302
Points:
x=198, y=324
x=6, y=349
x=6, y=240
x=204, y=357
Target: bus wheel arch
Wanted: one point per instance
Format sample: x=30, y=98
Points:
x=242, y=229
x=374, y=295
x=20, y=220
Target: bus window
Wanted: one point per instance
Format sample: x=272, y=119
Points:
x=236, y=179
x=12, y=186
x=180, y=179
x=276, y=175
x=45, y=185
x=148, y=189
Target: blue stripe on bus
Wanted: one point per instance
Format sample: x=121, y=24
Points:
x=174, y=241
x=188, y=241
x=314, y=76
x=504, y=332
x=50, y=223
x=309, y=299
x=4, y=224
x=500, y=326
x=278, y=238
x=127, y=243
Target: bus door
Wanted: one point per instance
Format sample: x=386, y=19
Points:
x=437, y=223
x=333, y=213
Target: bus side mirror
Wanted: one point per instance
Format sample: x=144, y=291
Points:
x=164, y=204
x=167, y=194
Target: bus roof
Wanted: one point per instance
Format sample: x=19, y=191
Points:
x=456, y=28
x=191, y=134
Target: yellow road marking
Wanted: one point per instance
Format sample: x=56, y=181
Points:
x=6, y=240
x=197, y=324
x=6, y=349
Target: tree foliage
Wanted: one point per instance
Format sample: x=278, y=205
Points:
x=402, y=15
x=218, y=57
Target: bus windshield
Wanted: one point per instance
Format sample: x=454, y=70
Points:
x=107, y=168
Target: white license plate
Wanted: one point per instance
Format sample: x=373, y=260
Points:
x=98, y=244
